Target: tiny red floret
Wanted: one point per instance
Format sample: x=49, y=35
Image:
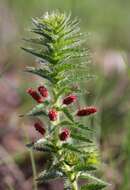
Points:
x=64, y=135
x=69, y=99
x=86, y=111
x=53, y=114
x=39, y=127
x=35, y=95
x=43, y=91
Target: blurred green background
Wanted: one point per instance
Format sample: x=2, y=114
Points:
x=108, y=23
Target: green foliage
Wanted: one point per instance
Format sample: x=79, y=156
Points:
x=58, y=46
x=40, y=72
x=93, y=187
x=49, y=175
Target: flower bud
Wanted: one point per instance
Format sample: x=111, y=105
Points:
x=35, y=95
x=43, y=91
x=69, y=99
x=86, y=111
x=53, y=114
x=38, y=126
x=64, y=135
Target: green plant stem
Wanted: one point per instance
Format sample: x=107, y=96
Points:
x=32, y=160
x=74, y=185
x=33, y=169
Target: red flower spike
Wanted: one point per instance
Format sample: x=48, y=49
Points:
x=64, y=135
x=38, y=126
x=35, y=95
x=43, y=91
x=86, y=111
x=69, y=99
x=53, y=115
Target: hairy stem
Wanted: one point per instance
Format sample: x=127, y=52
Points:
x=32, y=160
x=33, y=169
x=74, y=185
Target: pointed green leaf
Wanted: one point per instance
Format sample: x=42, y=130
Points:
x=84, y=168
x=93, y=187
x=44, y=34
x=85, y=175
x=81, y=126
x=40, y=72
x=30, y=145
x=49, y=175
x=40, y=55
x=37, y=111
x=43, y=145
x=61, y=92
x=71, y=147
x=64, y=123
x=80, y=138
x=39, y=147
x=68, y=114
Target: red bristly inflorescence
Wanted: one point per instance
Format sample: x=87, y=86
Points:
x=53, y=114
x=39, y=127
x=69, y=99
x=86, y=111
x=35, y=95
x=64, y=135
x=43, y=91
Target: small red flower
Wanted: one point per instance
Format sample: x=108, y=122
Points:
x=38, y=126
x=53, y=114
x=86, y=111
x=43, y=91
x=64, y=135
x=69, y=99
x=35, y=95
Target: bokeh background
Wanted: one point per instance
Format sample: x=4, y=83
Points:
x=108, y=23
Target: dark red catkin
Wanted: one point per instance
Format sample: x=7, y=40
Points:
x=53, y=115
x=35, y=95
x=64, y=135
x=86, y=111
x=39, y=127
x=43, y=91
x=69, y=99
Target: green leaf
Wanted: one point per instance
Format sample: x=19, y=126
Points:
x=43, y=145
x=44, y=33
x=45, y=58
x=64, y=21
x=73, y=29
x=39, y=147
x=81, y=126
x=71, y=147
x=40, y=72
x=85, y=175
x=84, y=168
x=42, y=148
x=61, y=92
x=63, y=67
x=64, y=123
x=68, y=114
x=37, y=111
x=40, y=25
x=30, y=145
x=38, y=41
x=93, y=187
x=46, y=176
x=80, y=138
